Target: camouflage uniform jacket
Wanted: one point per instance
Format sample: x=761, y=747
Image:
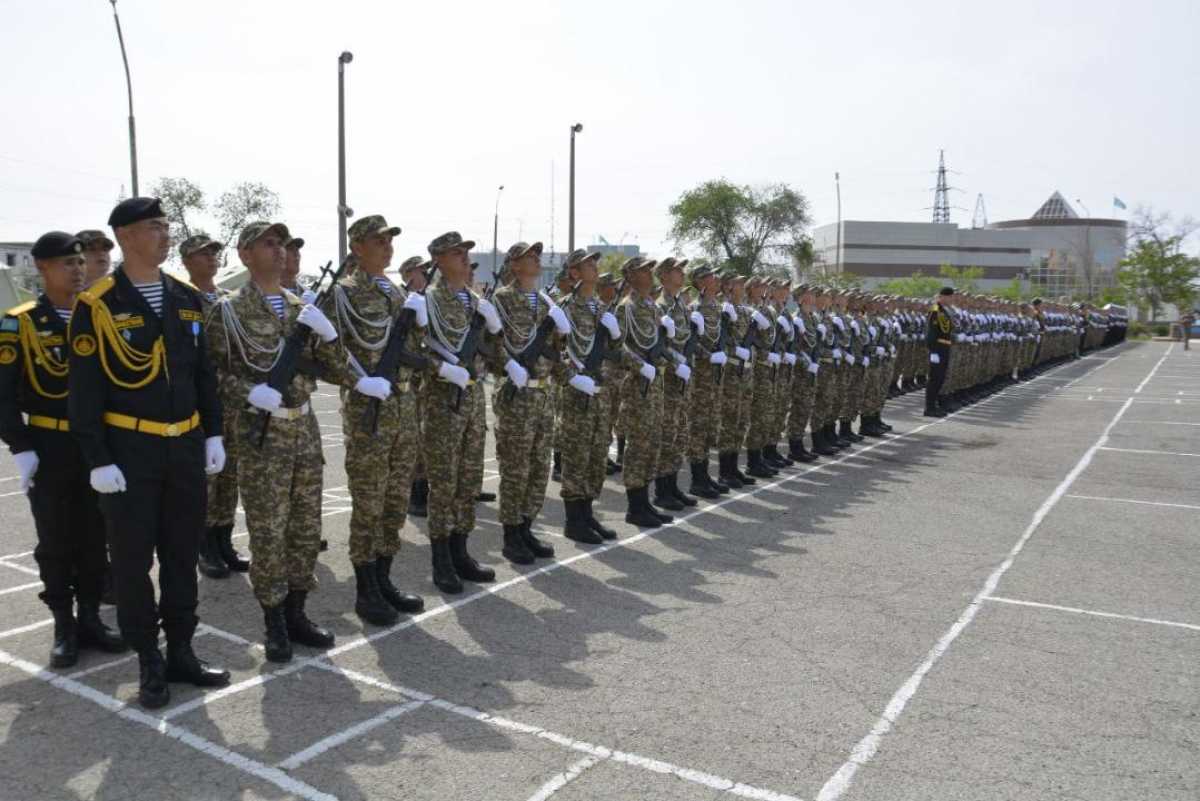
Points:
x=710, y=310
x=519, y=324
x=362, y=312
x=584, y=316
x=449, y=321
x=677, y=310
x=640, y=330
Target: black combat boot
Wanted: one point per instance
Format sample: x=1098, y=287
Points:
x=727, y=471
x=539, y=549
x=184, y=667
x=849, y=430
x=233, y=560
x=839, y=431
x=701, y=482
x=867, y=427
x=485, y=497
x=620, y=461
x=209, y=558
x=663, y=517
x=418, y=498
x=108, y=593
x=299, y=628
x=368, y=601
x=680, y=495
x=798, y=452
x=639, y=511
x=275, y=638
x=577, y=526
x=776, y=459
x=604, y=531
x=65, y=651
x=556, y=473
x=663, y=497
x=92, y=633
x=821, y=444
x=443, y=567
x=755, y=465
x=742, y=477
x=611, y=468
x=882, y=426
x=515, y=550
x=464, y=564
x=400, y=601
x=153, y=692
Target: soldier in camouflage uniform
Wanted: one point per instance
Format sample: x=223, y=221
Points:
x=673, y=431
x=765, y=364
x=785, y=373
x=365, y=307
x=708, y=376
x=738, y=382
x=606, y=292
x=412, y=280
x=523, y=401
x=829, y=358
x=803, y=395
x=279, y=473
x=562, y=285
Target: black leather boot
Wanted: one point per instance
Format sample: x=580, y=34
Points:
x=233, y=560
x=444, y=576
x=515, y=550
x=798, y=452
x=755, y=465
x=849, y=432
x=465, y=565
x=701, y=482
x=882, y=426
x=209, y=558
x=639, y=511
x=821, y=444
x=108, y=593
x=776, y=459
x=299, y=628
x=680, y=495
x=92, y=633
x=153, y=692
x=663, y=517
x=728, y=470
x=556, y=473
x=604, y=531
x=611, y=468
x=485, y=497
x=663, y=497
x=742, y=476
x=620, y=461
x=841, y=432
x=867, y=427
x=418, y=498
x=368, y=601
x=65, y=651
x=539, y=549
x=401, y=601
x=184, y=667
x=275, y=637
x=577, y=526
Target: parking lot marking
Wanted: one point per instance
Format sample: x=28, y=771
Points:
x=1132, y=500
x=1094, y=613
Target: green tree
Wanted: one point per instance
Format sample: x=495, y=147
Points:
x=611, y=263
x=842, y=281
x=182, y=201
x=1014, y=291
x=917, y=285
x=244, y=203
x=964, y=279
x=1157, y=272
x=744, y=225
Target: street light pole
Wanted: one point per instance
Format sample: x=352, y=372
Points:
x=496, y=234
x=343, y=210
x=129, y=90
x=576, y=128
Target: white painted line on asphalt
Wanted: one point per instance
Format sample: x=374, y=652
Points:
x=12, y=494
x=864, y=751
x=1162, y=423
x=31, y=627
x=1154, y=453
x=563, y=779
x=231, y=758
x=1146, y=380
x=20, y=587
x=79, y=674
x=1077, y=611
x=29, y=571
x=345, y=735
x=10, y=478
x=1131, y=500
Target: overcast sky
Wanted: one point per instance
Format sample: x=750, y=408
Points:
x=448, y=100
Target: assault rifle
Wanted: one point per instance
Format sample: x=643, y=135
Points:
x=537, y=347
x=470, y=347
x=395, y=355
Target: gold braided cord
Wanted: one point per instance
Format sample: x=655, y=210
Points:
x=134, y=360
x=36, y=352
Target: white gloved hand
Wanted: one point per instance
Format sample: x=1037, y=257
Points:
x=560, y=319
x=610, y=322
x=813, y=367
x=666, y=322
x=683, y=372
x=789, y=358
x=647, y=370
x=760, y=320
x=837, y=353
x=374, y=387
x=718, y=357
x=773, y=358
x=308, y=296
x=516, y=373
x=315, y=319
x=107, y=479
x=416, y=302
x=458, y=376
x=785, y=323
x=878, y=350
x=490, y=317
x=742, y=353
x=893, y=347
x=866, y=361
x=214, y=455
x=698, y=320
x=821, y=329
x=584, y=384
x=935, y=359
x=264, y=397
x=960, y=337
x=854, y=325
x=839, y=323
x=730, y=312
x=27, y=465
x=850, y=358
x=798, y=324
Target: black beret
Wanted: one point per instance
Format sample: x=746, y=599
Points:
x=56, y=244
x=135, y=209
x=946, y=290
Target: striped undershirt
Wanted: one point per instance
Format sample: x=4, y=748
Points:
x=64, y=314
x=384, y=284
x=593, y=305
x=211, y=297
x=533, y=300
x=464, y=297
x=153, y=293
x=276, y=302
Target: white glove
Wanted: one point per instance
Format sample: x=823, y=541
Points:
x=893, y=347
x=374, y=387
x=647, y=370
x=108, y=479
x=866, y=361
x=610, y=322
x=798, y=324
x=837, y=353
x=458, y=376
x=854, y=325
x=516, y=373
x=490, y=317
x=584, y=384
x=742, y=353
x=878, y=350
x=214, y=455
x=730, y=312
x=813, y=367
x=960, y=337
x=416, y=302
x=698, y=320
x=27, y=465
x=264, y=397
x=315, y=319
x=850, y=358
x=308, y=296
x=784, y=323
x=760, y=320
x=560, y=319
x=683, y=372
x=839, y=323
x=935, y=359
x=821, y=329
x=773, y=358
x=666, y=322
x=789, y=358
x=718, y=357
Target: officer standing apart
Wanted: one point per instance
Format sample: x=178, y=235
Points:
x=939, y=337
x=70, y=553
x=143, y=404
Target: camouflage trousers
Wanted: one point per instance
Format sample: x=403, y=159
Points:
x=556, y=422
x=616, y=398
x=640, y=421
x=379, y=467
x=453, y=457
x=418, y=470
x=673, y=430
x=734, y=394
x=874, y=389
x=783, y=400
x=524, y=423
x=829, y=391
x=762, y=405
x=281, y=493
x=802, y=401
x=704, y=398
x=223, y=487
x=585, y=435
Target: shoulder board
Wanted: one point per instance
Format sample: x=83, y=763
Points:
x=935, y=307
x=23, y=308
x=96, y=290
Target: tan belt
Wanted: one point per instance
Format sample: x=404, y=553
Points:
x=152, y=426
x=945, y=342
x=51, y=423
x=537, y=383
x=284, y=413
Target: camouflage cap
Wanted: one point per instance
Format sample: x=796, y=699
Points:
x=698, y=273
x=295, y=243
x=607, y=279
x=252, y=232
x=92, y=240
x=369, y=226
x=683, y=263
x=636, y=263
x=411, y=263
x=731, y=274
x=197, y=243
x=579, y=256
x=451, y=240
x=523, y=249
x=665, y=265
